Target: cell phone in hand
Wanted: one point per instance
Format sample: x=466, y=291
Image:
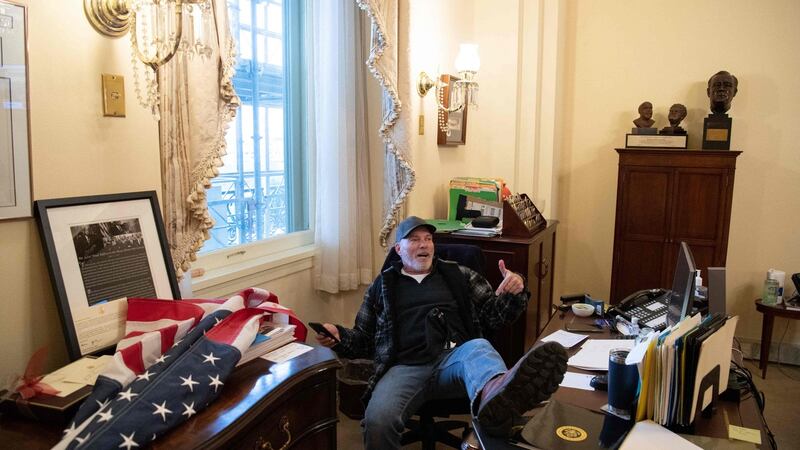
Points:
x=320, y=329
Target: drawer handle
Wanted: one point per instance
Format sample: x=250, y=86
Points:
x=544, y=268
x=264, y=444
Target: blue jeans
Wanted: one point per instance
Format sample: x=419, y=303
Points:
x=462, y=371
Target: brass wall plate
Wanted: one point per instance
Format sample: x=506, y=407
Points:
x=113, y=95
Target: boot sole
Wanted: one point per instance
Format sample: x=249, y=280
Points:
x=537, y=377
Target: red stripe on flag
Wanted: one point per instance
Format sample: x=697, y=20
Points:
x=229, y=329
x=149, y=310
x=168, y=337
x=132, y=356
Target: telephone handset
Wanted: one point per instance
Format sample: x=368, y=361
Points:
x=648, y=305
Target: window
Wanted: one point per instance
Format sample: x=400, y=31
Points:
x=262, y=189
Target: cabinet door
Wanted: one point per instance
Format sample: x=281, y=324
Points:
x=643, y=207
x=699, y=217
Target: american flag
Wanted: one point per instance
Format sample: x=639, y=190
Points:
x=172, y=362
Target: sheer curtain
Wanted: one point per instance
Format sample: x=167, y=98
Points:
x=342, y=224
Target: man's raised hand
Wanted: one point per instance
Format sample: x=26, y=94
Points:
x=511, y=284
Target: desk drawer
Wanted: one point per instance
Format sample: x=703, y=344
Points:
x=297, y=418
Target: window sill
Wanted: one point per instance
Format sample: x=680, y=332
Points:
x=231, y=278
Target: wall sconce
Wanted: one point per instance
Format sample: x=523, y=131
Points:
x=465, y=90
x=159, y=30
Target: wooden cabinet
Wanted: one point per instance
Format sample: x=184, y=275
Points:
x=534, y=258
x=665, y=197
x=291, y=405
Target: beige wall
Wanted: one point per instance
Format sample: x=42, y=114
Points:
x=74, y=151
x=620, y=55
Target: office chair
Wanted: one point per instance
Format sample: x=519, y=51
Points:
x=425, y=428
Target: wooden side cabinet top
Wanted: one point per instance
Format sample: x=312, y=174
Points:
x=665, y=157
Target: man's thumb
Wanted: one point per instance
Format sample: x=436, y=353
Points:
x=502, y=265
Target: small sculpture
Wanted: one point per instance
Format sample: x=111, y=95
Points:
x=645, y=119
x=722, y=87
x=677, y=113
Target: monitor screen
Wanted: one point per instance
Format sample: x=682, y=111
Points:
x=682, y=286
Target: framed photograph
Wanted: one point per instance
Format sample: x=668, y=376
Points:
x=15, y=174
x=455, y=123
x=101, y=250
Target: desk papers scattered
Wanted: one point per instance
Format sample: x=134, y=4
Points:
x=287, y=352
x=271, y=336
x=76, y=375
x=565, y=338
x=577, y=381
x=593, y=354
x=645, y=433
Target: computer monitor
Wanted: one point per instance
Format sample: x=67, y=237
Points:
x=682, y=286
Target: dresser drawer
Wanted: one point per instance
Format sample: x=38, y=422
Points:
x=302, y=416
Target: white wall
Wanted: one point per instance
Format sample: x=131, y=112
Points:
x=74, y=151
x=619, y=55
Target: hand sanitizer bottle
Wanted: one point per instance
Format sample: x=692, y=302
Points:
x=700, y=291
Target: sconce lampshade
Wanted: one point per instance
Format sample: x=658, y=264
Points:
x=468, y=59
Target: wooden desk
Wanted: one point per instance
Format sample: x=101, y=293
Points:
x=744, y=414
x=262, y=403
x=770, y=312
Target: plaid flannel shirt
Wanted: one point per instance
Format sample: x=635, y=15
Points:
x=373, y=335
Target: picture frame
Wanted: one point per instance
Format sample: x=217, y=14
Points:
x=15, y=173
x=101, y=250
x=456, y=122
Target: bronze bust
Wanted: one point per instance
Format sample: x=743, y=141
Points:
x=645, y=119
x=677, y=113
x=722, y=87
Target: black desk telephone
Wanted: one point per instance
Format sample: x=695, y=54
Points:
x=648, y=305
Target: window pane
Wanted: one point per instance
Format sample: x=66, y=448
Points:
x=245, y=45
x=274, y=51
x=244, y=13
x=258, y=193
x=274, y=18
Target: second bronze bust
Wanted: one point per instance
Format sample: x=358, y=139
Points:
x=677, y=113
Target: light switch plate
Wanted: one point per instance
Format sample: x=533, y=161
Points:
x=113, y=95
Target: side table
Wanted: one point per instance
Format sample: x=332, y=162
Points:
x=770, y=312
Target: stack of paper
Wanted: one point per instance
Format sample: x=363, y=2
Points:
x=565, y=338
x=594, y=353
x=270, y=337
x=76, y=375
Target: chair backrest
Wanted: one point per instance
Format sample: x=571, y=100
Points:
x=467, y=255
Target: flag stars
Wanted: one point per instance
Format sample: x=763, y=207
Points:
x=103, y=404
x=81, y=440
x=210, y=358
x=127, y=441
x=189, y=382
x=72, y=427
x=162, y=410
x=161, y=359
x=189, y=411
x=127, y=395
x=105, y=416
x=145, y=376
x=215, y=382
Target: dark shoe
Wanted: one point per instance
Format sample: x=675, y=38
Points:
x=532, y=380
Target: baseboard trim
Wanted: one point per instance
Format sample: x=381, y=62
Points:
x=789, y=351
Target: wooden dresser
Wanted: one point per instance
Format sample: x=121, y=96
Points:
x=665, y=197
x=534, y=258
x=264, y=405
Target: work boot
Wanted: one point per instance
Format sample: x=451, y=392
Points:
x=532, y=380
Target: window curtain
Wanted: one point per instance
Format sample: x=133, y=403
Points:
x=342, y=221
x=383, y=64
x=197, y=103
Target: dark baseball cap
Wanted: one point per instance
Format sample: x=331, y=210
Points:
x=411, y=223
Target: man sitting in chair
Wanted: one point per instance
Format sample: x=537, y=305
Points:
x=423, y=321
